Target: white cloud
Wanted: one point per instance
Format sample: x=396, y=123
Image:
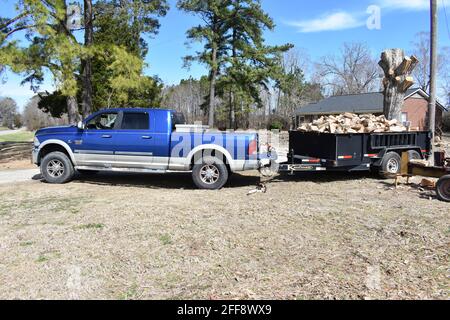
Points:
x=329, y=22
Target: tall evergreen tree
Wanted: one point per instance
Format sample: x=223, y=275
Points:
x=213, y=33
x=86, y=61
x=251, y=63
x=123, y=24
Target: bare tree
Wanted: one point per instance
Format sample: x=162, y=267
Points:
x=353, y=71
x=421, y=49
x=8, y=112
x=293, y=90
x=187, y=98
x=34, y=118
x=444, y=75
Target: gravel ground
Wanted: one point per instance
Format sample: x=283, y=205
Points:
x=150, y=237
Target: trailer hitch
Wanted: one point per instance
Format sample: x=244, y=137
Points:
x=260, y=188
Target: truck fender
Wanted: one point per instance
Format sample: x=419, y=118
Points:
x=210, y=147
x=62, y=144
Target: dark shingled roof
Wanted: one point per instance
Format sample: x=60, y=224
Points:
x=357, y=103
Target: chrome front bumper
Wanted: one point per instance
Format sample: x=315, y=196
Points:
x=34, y=155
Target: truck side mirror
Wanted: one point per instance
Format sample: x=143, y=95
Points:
x=80, y=125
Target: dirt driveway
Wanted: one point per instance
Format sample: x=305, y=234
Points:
x=149, y=237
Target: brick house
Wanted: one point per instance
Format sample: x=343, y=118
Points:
x=415, y=108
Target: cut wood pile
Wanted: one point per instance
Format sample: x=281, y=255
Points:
x=352, y=123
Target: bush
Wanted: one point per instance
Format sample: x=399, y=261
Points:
x=18, y=123
x=277, y=123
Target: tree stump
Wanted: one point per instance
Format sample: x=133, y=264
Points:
x=397, y=80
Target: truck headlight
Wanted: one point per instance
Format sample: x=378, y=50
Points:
x=36, y=142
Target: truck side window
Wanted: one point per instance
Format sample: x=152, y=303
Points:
x=135, y=121
x=104, y=121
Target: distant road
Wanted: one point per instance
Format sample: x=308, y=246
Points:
x=5, y=132
x=12, y=176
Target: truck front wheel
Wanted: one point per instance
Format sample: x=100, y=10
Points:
x=57, y=168
x=210, y=174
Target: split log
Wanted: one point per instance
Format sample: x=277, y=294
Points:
x=352, y=123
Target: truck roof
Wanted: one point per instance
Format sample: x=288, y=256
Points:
x=135, y=109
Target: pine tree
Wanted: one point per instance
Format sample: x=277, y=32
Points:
x=82, y=71
x=213, y=32
x=251, y=63
x=86, y=61
x=119, y=30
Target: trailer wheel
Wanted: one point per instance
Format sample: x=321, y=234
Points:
x=414, y=155
x=391, y=165
x=210, y=174
x=443, y=188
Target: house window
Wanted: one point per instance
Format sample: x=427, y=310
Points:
x=404, y=118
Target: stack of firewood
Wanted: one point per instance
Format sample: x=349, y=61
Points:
x=352, y=123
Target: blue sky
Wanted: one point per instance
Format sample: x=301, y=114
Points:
x=317, y=27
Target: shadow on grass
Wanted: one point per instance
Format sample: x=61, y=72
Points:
x=158, y=181
x=326, y=176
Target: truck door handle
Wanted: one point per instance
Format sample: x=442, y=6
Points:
x=146, y=137
x=106, y=136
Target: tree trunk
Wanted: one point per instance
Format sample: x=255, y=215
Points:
x=72, y=110
x=87, y=61
x=212, y=88
x=232, y=97
x=397, y=70
x=232, y=112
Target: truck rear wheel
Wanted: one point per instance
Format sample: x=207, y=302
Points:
x=391, y=165
x=443, y=188
x=210, y=174
x=57, y=168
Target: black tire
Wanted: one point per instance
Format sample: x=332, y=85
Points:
x=87, y=172
x=443, y=188
x=391, y=165
x=57, y=168
x=210, y=174
x=414, y=155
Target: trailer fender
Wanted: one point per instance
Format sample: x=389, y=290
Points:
x=399, y=150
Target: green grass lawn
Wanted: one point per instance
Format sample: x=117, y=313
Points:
x=3, y=128
x=22, y=136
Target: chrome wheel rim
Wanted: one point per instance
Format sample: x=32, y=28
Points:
x=55, y=168
x=392, y=166
x=209, y=174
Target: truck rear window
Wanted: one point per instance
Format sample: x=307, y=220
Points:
x=135, y=121
x=177, y=118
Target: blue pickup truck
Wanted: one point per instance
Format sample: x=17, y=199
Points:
x=143, y=140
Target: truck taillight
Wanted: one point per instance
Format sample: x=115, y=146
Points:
x=252, y=148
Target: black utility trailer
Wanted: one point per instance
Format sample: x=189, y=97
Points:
x=311, y=151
